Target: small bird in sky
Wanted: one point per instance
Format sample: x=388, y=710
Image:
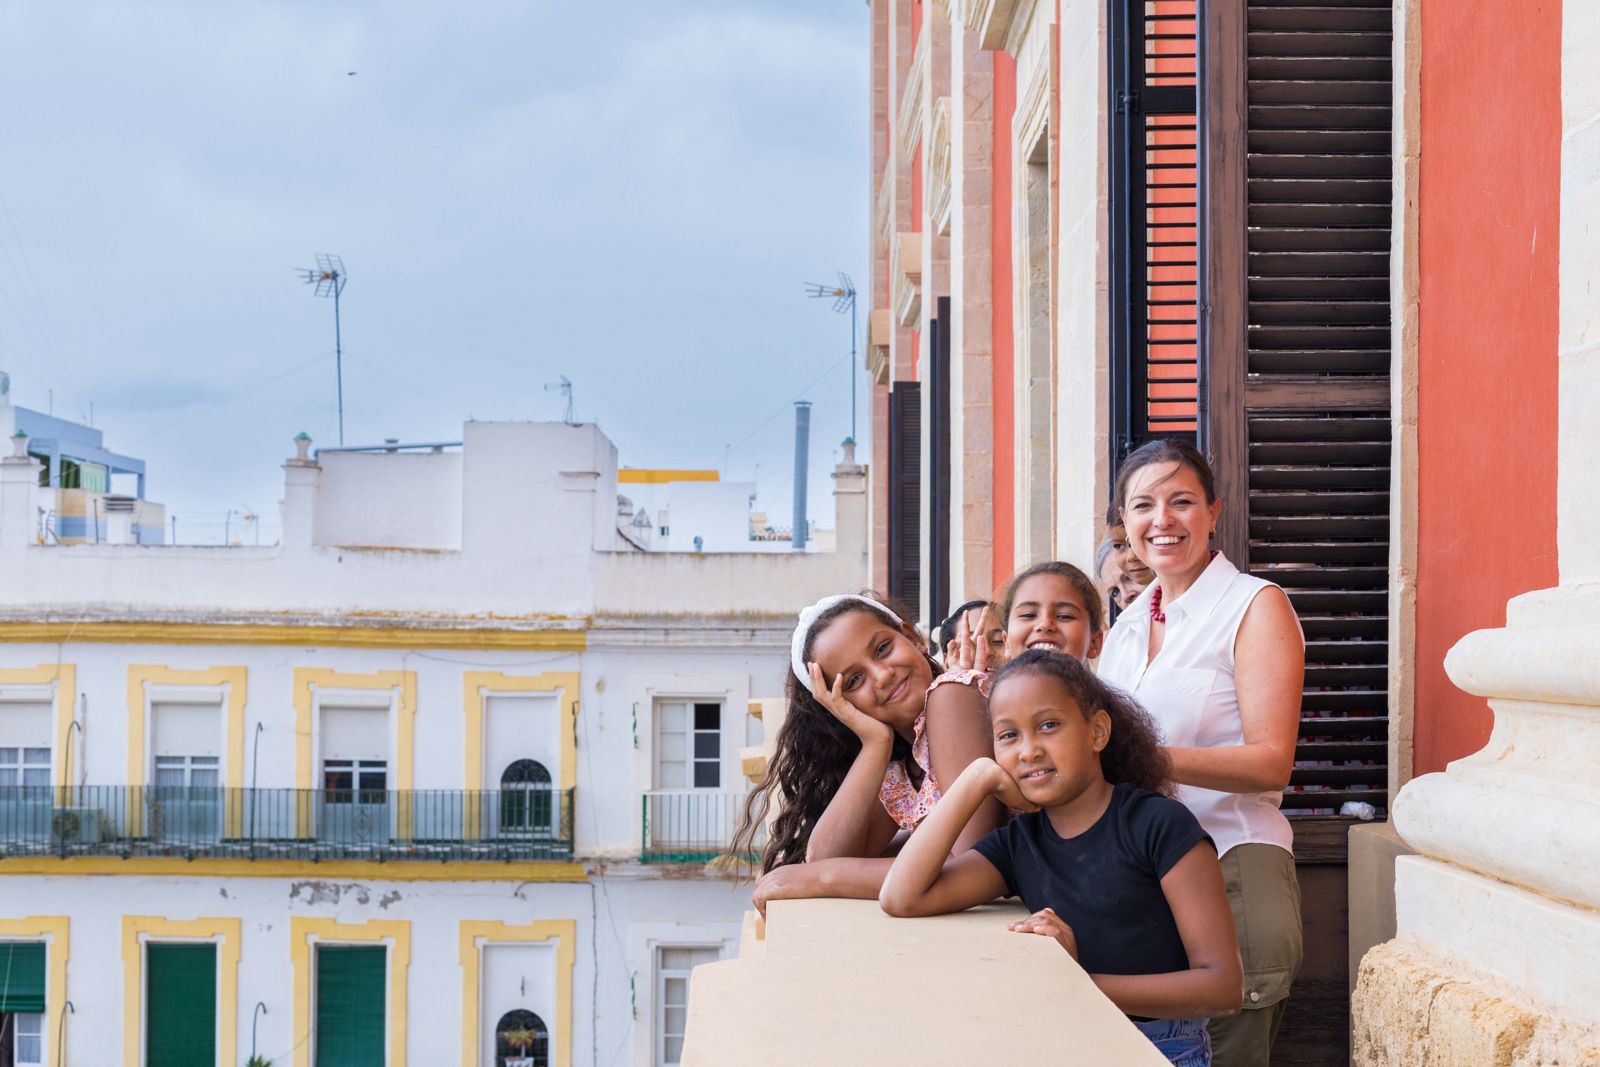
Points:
x=349, y=74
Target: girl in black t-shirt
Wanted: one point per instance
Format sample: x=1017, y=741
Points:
x=1115, y=870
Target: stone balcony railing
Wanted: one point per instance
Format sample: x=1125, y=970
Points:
x=839, y=982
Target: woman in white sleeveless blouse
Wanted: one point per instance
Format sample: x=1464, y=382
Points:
x=1218, y=658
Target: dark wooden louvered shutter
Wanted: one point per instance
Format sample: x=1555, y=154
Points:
x=905, y=492
x=1300, y=425
x=1296, y=103
x=938, y=461
x=1155, y=371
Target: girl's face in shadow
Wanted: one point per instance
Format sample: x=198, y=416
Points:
x=885, y=673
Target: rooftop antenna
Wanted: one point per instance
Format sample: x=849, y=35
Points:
x=844, y=299
x=329, y=277
x=564, y=387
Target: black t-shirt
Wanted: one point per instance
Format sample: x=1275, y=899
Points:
x=1106, y=882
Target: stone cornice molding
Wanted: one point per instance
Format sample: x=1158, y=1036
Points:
x=992, y=20
x=937, y=163
x=905, y=271
x=908, y=121
x=1032, y=115
x=883, y=210
x=879, y=330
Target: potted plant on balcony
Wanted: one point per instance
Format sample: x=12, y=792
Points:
x=519, y=1040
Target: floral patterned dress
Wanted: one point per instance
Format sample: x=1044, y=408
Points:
x=906, y=804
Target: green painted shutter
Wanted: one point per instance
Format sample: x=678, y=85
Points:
x=22, y=976
x=180, y=1005
x=351, y=988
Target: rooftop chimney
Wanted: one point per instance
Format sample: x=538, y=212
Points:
x=802, y=447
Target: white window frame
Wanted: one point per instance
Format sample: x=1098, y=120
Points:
x=33, y=694
x=385, y=700
x=207, y=695
x=645, y=940
x=691, y=734
x=18, y=1035
x=658, y=1022
x=22, y=766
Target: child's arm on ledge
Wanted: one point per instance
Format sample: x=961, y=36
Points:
x=1212, y=985
x=924, y=880
x=851, y=878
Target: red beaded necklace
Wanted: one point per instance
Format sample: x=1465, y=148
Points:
x=1156, y=614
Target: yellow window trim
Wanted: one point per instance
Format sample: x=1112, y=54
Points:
x=475, y=935
x=235, y=683
x=137, y=931
x=55, y=931
x=64, y=676
x=395, y=933
x=307, y=680
x=477, y=686
x=369, y=870
x=189, y=633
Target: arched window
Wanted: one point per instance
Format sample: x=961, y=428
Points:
x=526, y=799
x=521, y=1040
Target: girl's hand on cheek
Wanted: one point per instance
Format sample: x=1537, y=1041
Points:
x=1005, y=789
x=861, y=724
x=1048, y=924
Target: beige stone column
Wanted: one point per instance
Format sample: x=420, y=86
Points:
x=1498, y=918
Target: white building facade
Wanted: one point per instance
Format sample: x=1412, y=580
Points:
x=434, y=781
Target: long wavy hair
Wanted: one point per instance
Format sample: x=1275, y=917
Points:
x=1133, y=754
x=810, y=758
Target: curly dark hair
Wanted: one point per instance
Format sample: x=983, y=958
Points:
x=1133, y=754
x=1079, y=580
x=811, y=756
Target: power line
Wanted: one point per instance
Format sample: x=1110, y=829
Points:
x=786, y=405
x=223, y=403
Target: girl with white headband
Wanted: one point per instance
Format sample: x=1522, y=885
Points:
x=872, y=730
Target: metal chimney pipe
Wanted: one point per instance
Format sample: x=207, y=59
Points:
x=802, y=457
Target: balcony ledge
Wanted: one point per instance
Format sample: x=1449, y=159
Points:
x=819, y=985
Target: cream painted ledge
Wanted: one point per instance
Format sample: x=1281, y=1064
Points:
x=817, y=987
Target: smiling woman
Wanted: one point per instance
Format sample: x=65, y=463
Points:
x=869, y=735
x=1218, y=658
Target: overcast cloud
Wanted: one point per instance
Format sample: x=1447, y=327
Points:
x=628, y=194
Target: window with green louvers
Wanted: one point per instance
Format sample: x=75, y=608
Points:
x=180, y=1004
x=22, y=976
x=350, y=995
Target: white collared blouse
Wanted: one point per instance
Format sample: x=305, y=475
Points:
x=1189, y=690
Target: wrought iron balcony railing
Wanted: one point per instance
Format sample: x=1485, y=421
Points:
x=688, y=825
x=524, y=823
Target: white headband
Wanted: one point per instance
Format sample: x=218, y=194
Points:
x=808, y=619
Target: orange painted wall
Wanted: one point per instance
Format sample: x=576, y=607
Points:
x=1004, y=397
x=1489, y=212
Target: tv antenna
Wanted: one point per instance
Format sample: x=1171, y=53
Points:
x=329, y=277
x=844, y=299
x=564, y=387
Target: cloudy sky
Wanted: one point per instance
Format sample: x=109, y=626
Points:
x=630, y=194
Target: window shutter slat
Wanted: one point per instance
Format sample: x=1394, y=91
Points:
x=905, y=491
x=181, y=1005
x=350, y=1005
